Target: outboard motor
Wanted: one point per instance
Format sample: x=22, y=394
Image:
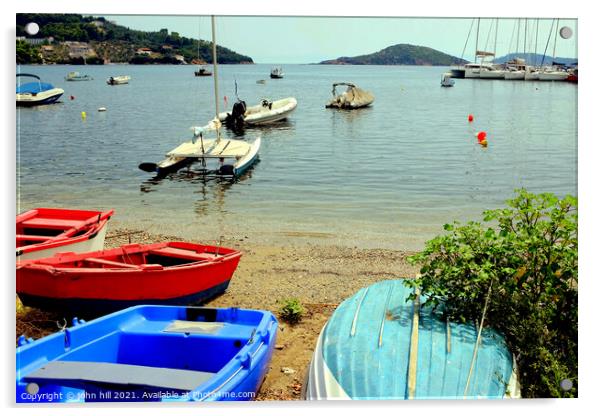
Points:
x=236, y=119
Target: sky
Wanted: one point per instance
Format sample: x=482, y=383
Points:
x=290, y=39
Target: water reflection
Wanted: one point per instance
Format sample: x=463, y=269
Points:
x=280, y=125
x=196, y=174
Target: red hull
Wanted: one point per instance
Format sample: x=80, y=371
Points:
x=156, y=272
x=51, y=228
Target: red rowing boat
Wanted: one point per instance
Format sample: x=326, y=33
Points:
x=42, y=232
x=93, y=283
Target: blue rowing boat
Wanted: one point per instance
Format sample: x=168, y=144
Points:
x=379, y=344
x=150, y=353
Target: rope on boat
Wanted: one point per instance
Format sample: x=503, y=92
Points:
x=477, y=343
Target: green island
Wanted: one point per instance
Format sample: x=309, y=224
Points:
x=77, y=39
x=401, y=54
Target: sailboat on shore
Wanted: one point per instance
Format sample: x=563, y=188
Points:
x=233, y=157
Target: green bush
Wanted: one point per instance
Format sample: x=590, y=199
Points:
x=529, y=260
x=291, y=310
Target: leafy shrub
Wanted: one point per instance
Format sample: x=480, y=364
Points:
x=529, y=260
x=291, y=311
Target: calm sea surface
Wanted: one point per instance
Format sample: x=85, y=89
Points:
x=387, y=176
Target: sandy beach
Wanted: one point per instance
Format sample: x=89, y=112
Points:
x=319, y=276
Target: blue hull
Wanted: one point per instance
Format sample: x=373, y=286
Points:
x=242, y=169
x=150, y=353
x=378, y=344
x=96, y=307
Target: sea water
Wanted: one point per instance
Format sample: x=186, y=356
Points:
x=385, y=176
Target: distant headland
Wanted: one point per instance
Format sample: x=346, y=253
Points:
x=77, y=39
x=401, y=54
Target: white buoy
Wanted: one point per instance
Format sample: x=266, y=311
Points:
x=102, y=109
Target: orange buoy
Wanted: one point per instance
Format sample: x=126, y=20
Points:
x=483, y=142
x=481, y=136
x=470, y=118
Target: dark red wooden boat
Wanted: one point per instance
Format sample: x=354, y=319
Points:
x=43, y=232
x=94, y=283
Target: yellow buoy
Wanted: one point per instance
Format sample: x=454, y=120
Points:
x=83, y=115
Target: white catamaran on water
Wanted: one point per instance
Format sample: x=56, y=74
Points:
x=231, y=157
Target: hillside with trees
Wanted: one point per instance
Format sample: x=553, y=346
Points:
x=114, y=43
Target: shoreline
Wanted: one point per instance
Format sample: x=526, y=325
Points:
x=320, y=276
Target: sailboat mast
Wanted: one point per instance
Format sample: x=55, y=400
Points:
x=517, y=36
x=555, y=38
x=215, y=89
x=536, y=33
x=476, y=46
x=495, y=41
x=525, y=40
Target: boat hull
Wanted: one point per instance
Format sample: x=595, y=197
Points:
x=95, y=242
x=96, y=307
x=42, y=98
x=514, y=75
x=491, y=74
x=151, y=353
x=457, y=72
x=173, y=273
x=244, y=164
x=73, y=230
x=378, y=344
x=553, y=76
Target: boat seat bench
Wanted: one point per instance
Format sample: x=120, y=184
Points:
x=119, y=374
x=33, y=237
x=111, y=263
x=184, y=254
x=51, y=223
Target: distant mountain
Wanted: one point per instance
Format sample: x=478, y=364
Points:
x=401, y=54
x=535, y=59
x=69, y=38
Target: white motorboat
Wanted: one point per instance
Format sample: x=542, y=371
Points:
x=36, y=92
x=446, y=80
x=276, y=72
x=352, y=98
x=119, y=80
x=76, y=76
x=263, y=113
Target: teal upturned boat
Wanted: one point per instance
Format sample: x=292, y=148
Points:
x=379, y=344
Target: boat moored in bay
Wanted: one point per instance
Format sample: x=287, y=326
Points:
x=36, y=92
x=119, y=80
